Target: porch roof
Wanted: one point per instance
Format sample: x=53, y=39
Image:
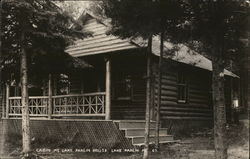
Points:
x=100, y=43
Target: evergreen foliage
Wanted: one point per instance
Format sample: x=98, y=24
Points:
x=47, y=30
x=145, y=17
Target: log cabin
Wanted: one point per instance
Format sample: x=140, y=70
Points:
x=110, y=98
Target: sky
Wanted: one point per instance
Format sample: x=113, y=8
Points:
x=75, y=8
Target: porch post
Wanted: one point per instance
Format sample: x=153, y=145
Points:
x=108, y=89
x=7, y=100
x=49, y=97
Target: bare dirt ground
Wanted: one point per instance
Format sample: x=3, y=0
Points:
x=197, y=146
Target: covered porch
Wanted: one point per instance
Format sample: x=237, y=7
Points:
x=114, y=89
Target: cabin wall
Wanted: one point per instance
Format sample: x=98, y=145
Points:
x=76, y=83
x=198, y=104
x=196, y=110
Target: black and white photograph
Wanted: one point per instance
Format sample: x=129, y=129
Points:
x=124, y=79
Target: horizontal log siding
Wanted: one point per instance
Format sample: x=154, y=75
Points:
x=128, y=111
x=199, y=89
x=198, y=105
x=76, y=84
x=133, y=109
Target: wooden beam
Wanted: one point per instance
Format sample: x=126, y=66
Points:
x=108, y=89
x=50, y=97
x=7, y=100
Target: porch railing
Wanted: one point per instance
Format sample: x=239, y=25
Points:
x=37, y=106
x=91, y=104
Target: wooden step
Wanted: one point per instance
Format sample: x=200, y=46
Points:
x=127, y=124
x=134, y=130
x=141, y=132
x=140, y=139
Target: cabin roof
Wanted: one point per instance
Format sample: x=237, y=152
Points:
x=180, y=53
x=100, y=43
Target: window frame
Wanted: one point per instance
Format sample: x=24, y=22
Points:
x=183, y=83
x=121, y=82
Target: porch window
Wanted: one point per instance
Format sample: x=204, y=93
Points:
x=63, y=84
x=123, y=87
x=182, y=88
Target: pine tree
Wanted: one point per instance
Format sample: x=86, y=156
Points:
x=32, y=29
x=219, y=25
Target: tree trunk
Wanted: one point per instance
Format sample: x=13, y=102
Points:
x=1, y=85
x=248, y=76
x=159, y=94
x=24, y=100
x=147, y=115
x=219, y=110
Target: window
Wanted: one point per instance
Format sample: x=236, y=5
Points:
x=63, y=84
x=123, y=88
x=129, y=86
x=182, y=88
